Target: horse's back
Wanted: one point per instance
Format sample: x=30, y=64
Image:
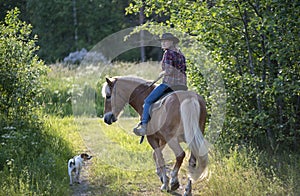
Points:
x=167, y=114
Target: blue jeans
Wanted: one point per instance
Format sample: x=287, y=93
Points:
x=152, y=97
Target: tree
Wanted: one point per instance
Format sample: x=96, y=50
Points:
x=67, y=26
x=20, y=72
x=256, y=46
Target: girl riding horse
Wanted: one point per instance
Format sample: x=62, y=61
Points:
x=174, y=76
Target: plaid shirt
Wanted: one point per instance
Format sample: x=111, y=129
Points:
x=173, y=63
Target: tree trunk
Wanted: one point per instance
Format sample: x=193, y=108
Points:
x=142, y=18
x=75, y=24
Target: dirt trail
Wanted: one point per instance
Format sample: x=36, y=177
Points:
x=90, y=132
x=84, y=188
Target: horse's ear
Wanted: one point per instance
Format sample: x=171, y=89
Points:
x=110, y=83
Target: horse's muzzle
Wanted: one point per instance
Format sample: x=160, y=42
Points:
x=109, y=118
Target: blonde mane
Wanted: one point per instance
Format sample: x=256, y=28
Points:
x=133, y=79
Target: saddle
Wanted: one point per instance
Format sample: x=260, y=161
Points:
x=171, y=90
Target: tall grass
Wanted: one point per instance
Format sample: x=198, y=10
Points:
x=240, y=171
x=78, y=91
x=37, y=165
x=121, y=166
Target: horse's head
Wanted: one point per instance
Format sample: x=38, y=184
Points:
x=107, y=89
x=116, y=92
x=119, y=91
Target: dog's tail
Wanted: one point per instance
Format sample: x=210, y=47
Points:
x=71, y=162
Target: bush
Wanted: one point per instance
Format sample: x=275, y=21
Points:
x=20, y=72
x=33, y=155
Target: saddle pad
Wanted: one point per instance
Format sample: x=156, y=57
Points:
x=156, y=105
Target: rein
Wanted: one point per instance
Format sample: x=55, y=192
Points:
x=148, y=87
x=132, y=98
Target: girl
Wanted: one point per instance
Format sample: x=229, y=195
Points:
x=174, y=77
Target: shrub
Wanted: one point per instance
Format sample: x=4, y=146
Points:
x=32, y=155
x=20, y=72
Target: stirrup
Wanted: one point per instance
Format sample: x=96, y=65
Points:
x=138, y=125
x=140, y=131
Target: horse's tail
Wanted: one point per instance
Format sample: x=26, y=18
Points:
x=190, y=115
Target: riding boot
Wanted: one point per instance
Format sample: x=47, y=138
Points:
x=140, y=131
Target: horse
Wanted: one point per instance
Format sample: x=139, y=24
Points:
x=179, y=117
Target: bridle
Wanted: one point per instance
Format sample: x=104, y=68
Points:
x=131, y=98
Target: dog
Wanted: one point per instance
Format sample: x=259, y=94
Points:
x=75, y=165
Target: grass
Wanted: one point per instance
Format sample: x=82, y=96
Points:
x=36, y=161
x=78, y=91
x=118, y=171
x=237, y=174
x=36, y=165
x=122, y=165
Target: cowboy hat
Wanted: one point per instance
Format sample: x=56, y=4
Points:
x=169, y=36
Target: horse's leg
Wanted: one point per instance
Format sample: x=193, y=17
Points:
x=158, y=145
x=180, y=154
x=188, y=188
x=192, y=161
x=158, y=167
x=161, y=169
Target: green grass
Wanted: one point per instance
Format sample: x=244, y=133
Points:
x=37, y=160
x=238, y=174
x=36, y=165
x=72, y=92
x=122, y=166
x=118, y=171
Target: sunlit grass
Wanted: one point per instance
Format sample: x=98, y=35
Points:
x=122, y=166
x=236, y=173
x=39, y=165
x=115, y=146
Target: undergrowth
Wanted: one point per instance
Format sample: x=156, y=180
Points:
x=36, y=161
x=40, y=168
x=239, y=171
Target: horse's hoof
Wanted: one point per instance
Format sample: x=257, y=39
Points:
x=164, y=188
x=161, y=179
x=175, y=186
x=187, y=193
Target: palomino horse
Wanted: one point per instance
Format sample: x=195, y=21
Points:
x=179, y=118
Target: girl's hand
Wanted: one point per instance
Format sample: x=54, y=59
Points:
x=161, y=74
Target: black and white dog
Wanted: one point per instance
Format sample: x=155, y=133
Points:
x=75, y=165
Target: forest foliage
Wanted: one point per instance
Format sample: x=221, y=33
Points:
x=21, y=72
x=32, y=153
x=63, y=26
x=255, y=45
